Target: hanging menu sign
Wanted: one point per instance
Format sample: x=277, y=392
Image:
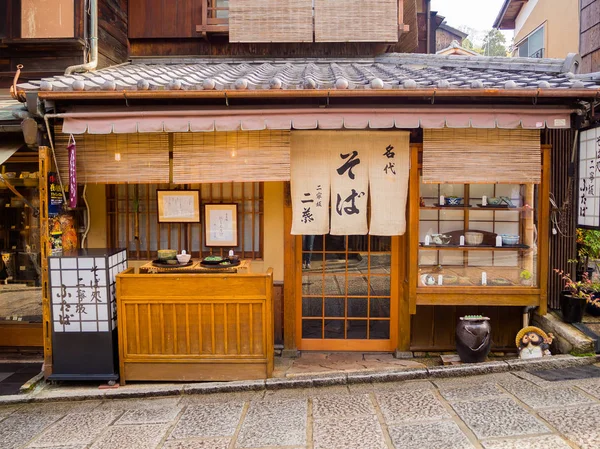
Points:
x=55, y=197
x=588, y=211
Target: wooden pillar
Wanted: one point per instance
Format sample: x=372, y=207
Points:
x=289, y=276
x=543, y=238
x=413, y=228
x=45, y=248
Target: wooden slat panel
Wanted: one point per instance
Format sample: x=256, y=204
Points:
x=242, y=156
x=356, y=21
x=475, y=156
x=562, y=247
x=270, y=21
x=194, y=329
x=144, y=158
x=164, y=18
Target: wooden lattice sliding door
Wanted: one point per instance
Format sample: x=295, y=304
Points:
x=347, y=293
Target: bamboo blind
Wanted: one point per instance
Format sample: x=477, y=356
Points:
x=270, y=21
x=481, y=156
x=356, y=21
x=242, y=156
x=116, y=158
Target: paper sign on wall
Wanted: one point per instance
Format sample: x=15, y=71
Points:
x=588, y=212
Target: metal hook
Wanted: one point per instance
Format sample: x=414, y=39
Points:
x=535, y=99
x=126, y=99
x=433, y=97
x=226, y=100
x=328, y=93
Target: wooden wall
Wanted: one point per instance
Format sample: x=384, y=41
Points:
x=48, y=57
x=589, y=39
x=562, y=247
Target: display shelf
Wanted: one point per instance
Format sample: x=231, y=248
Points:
x=435, y=247
x=478, y=208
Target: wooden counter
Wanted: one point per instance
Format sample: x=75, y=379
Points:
x=195, y=327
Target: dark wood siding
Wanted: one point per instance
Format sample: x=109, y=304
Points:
x=589, y=40
x=112, y=33
x=433, y=327
x=164, y=18
x=562, y=247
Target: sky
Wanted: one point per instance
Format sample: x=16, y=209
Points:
x=477, y=14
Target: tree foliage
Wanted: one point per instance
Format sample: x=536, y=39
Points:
x=494, y=44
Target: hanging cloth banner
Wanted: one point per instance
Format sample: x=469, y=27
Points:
x=349, y=168
x=71, y=147
x=389, y=167
x=310, y=184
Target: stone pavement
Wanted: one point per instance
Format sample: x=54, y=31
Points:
x=515, y=410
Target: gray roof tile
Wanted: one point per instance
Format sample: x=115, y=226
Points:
x=389, y=71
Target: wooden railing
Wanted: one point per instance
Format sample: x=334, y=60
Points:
x=212, y=20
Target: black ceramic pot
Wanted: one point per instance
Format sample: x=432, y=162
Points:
x=572, y=307
x=473, y=339
x=593, y=308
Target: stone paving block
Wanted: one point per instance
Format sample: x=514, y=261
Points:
x=537, y=397
x=358, y=432
x=6, y=410
x=498, y=417
x=476, y=391
x=145, y=436
x=60, y=408
x=580, y=425
x=328, y=391
x=590, y=386
x=484, y=379
x=342, y=406
x=208, y=420
x=437, y=435
x=137, y=404
x=223, y=387
x=410, y=405
x=468, y=369
x=215, y=398
x=149, y=416
x=274, y=423
x=213, y=443
x=76, y=429
x=536, y=442
x=15, y=431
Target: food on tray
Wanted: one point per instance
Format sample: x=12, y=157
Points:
x=213, y=258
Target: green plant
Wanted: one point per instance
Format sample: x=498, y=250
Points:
x=588, y=245
x=525, y=275
x=578, y=289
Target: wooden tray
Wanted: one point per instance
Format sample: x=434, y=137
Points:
x=157, y=263
x=212, y=265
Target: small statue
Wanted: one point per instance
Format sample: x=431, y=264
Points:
x=533, y=342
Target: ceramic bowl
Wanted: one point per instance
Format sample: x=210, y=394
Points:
x=440, y=239
x=183, y=258
x=509, y=239
x=473, y=238
x=167, y=254
x=494, y=201
x=453, y=200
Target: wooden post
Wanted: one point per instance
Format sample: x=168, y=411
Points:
x=413, y=228
x=289, y=276
x=45, y=248
x=544, y=238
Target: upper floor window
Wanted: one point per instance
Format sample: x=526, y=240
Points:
x=533, y=45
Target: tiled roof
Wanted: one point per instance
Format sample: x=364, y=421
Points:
x=389, y=71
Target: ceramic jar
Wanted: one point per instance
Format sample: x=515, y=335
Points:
x=473, y=338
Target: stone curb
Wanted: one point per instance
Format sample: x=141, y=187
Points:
x=320, y=380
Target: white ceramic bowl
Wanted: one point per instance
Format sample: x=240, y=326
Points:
x=508, y=239
x=473, y=238
x=183, y=258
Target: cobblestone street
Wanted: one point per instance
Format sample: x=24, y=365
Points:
x=496, y=411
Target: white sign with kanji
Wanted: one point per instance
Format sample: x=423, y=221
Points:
x=588, y=211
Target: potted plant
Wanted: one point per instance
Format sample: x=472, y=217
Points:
x=593, y=303
x=574, y=298
x=588, y=247
x=526, y=277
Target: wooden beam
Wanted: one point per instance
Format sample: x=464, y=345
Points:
x=45, y=166
x=289, y=275
x=476, y=299
x=544, y=237
x=413, y=227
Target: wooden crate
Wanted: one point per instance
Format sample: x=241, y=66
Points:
x=195, y=327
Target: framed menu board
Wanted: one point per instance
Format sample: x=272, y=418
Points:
x=220, y=224
x=588, y=192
